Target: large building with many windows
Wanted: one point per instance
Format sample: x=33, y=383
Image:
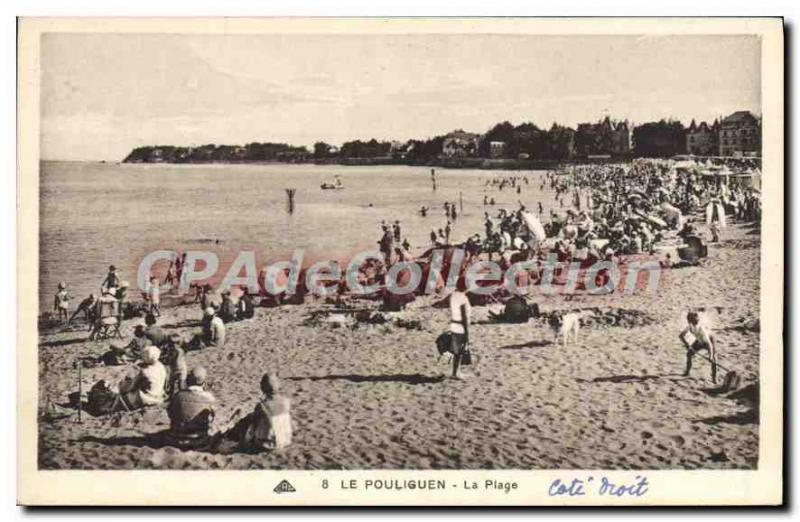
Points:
x=740, y=135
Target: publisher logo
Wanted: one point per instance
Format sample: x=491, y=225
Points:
x=284, y=487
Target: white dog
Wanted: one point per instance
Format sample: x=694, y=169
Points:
x=563, y=325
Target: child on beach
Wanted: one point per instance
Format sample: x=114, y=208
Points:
x=703, y=340
x=111, y=280
x=61, y=302
x=154, y=296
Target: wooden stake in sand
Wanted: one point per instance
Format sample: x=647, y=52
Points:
x=80, y=391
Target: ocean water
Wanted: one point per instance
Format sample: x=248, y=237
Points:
x=96, y=214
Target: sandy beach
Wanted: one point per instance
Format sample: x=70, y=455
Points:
x=375, y=396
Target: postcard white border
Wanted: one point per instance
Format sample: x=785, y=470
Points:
x=674, y=487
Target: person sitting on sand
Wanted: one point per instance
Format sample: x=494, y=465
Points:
x=460, y=310
x=227, y=311
x=213, y=333
x=516, y=310
x=106, y=314
x=269, y=427
x=703, y=340
x=129, y=353
x=88, y=306
x=61, y=302
x=191, y=412
x=147, y=388
x=245, y=308
x=154, y=333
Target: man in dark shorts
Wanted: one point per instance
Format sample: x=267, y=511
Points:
x=703, y=340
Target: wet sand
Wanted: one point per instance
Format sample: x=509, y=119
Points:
x=375, y=396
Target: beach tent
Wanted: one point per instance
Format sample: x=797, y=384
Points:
x=535, y=226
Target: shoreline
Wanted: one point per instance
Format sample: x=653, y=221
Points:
x=450, y=163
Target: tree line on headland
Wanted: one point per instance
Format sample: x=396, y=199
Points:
x=503, y=144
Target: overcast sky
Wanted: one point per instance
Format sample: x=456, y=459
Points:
x=103, y=94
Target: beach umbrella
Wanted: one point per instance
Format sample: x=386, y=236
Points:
x=656, y=221
x=535, y=226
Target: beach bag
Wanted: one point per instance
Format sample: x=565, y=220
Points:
x=731, y=382
x=466, y=355
x=443, y=343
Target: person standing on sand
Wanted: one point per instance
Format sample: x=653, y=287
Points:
x=703, y=340
x=154, y=296
x=122, y=298
x=171, y=280
x=386, y=244
x=61, y=302
x=174, y=359
x=87, y=306
x=460, y=310
x=180, y=263
x=397, y=233
x=111, y=280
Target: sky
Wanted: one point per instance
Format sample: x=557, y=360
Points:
x=104, y=94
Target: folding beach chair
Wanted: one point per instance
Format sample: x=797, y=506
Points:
x=107, y=324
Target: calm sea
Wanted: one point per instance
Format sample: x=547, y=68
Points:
x=96, y=214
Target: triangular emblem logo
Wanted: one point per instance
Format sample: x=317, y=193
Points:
x=284, y=487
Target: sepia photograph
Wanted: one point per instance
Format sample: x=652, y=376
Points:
x=308, y=247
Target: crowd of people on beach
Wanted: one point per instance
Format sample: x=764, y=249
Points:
x=162, y=378
x=646, y=207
